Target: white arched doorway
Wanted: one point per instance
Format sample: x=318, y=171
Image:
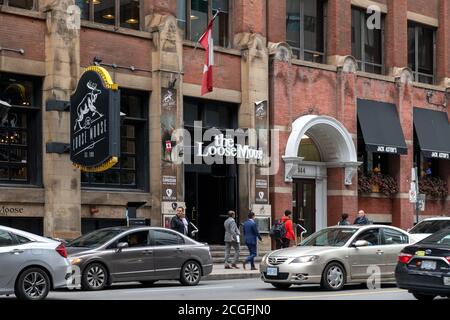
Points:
x=331, y=147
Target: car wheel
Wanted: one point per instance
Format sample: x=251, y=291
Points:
x=148, y=283
x=423, y=297
x=95, y=277
x=281, y=286
x=32, y=284
x=333, y=277
x=190, y=273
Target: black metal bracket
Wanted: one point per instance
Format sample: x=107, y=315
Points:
x=57, y=147
x=57, y=105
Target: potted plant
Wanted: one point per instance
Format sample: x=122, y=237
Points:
x=377, y=183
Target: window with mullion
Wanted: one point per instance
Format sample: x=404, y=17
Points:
x=193, y=17
x=19, y=131
x=129, y=172
x=367, y=44
x=305, y=29
x=421, y=52
x=22, y=4
x=118, y=13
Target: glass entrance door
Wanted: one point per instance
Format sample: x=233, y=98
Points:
x=305, y=204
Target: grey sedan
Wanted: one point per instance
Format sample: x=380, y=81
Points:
x=144, y=254
x=338, y=255
x=31, y=265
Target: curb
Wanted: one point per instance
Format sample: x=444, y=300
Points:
x=231, y=276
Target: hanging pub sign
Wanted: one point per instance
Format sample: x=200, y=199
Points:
x=95, y=121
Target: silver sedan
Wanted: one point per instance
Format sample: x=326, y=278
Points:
x=336, y=256
x=144, y=254
x=30, y=265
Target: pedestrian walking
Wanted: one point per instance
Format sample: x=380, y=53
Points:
x=289, y=235
x=176, y=223
x=232, y=239
x=344, y=220
x=362, y=218
x=251, y=236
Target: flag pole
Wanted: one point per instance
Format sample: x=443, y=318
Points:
x=198, y=41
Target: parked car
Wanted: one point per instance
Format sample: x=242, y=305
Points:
x=337, y=256
x=427, y=227
x=30, y=265
x=424, y=268
x=144, y=254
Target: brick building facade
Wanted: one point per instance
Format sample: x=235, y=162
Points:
x=314, y=62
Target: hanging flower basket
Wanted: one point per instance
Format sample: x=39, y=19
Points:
x=377, y=183
x=433, y=187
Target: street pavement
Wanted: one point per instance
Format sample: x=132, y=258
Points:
x=244, y=289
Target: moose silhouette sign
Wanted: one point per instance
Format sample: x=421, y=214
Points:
x=95, y=121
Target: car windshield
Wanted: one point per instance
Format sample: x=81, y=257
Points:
x=440, y=238
x=430, y=226
x=95, y=238
x=330, y=237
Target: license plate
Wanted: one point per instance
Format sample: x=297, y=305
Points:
x=446, y=281
x=428, y=265
x=272, y=272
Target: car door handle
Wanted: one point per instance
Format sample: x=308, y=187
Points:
x=380, y=252
x=16, y=251
x=148, y=252
x=180, y=249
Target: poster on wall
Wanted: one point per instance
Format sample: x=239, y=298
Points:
x=261, y=126
x=168, y=125
x=95, y=121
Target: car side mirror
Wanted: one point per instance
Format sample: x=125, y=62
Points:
x=361, y=243
x=121, y=246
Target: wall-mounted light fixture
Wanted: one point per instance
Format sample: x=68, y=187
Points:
x=21, y=51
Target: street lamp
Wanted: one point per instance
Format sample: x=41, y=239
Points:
x=4, y=108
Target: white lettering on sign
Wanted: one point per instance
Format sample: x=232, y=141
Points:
x=387, y=149
x=440, y=155
x=225, y=147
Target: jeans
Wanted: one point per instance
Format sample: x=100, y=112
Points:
x=282, y=243
x=251, y=257
x=228, y=246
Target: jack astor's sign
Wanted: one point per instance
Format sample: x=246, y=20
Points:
x=95, y=121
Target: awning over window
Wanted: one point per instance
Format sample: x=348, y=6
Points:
x=380, y=126
x=433, y=132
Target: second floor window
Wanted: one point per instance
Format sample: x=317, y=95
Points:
x=23, y=4
x=367, y=43
x=118, y=13
x=193, y=17
x=421, y=52
x=305, y=25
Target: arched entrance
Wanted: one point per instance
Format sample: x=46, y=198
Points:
x=316, y=144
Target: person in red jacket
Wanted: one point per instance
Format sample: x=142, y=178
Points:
x=290, y=235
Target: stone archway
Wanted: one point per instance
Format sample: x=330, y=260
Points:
x=336, y=148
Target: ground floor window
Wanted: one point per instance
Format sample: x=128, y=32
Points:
x=20, y=130
x=28, y=224
x=131, y=171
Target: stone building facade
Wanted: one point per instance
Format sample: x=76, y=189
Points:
x=313, y=98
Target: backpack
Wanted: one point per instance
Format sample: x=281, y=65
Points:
x=278, y=230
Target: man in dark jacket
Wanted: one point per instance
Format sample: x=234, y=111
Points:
x=177, y=221
x=361, y=219
x=251, y=234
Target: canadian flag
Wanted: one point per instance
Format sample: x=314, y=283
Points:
x=207, y=42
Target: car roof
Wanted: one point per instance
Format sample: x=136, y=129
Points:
x=25, y=234
x=367, y=226
x=436, y=219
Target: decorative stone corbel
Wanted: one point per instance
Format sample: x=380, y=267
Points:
x=280, y=51
x=350, y=172
x=403, y=76
x=346, y=64
x=291, y=167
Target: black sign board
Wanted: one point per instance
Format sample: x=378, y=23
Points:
x=95, y=121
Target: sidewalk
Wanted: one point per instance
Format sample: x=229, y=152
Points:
x=220, y=273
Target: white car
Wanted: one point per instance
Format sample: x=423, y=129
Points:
x=427, y=227
x=30, y=265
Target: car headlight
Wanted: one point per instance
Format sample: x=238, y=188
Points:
x=305, y=259
x=75, y=261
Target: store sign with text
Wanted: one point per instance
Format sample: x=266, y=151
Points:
x=95, y=121
x=226, y=147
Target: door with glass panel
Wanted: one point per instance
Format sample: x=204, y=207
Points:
x=305, y=205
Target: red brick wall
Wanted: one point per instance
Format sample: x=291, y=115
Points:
x=227, y=68
x=115, y=48
x=160, y=6
x=428, y=8
x=249, y=16
x=339, y=33
x=443, y=41
x=18, y=32
x=396, y=34
x=276, y=21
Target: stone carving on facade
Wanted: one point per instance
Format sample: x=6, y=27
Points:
x=347, y=64
x=403, y=76
x=280, y=51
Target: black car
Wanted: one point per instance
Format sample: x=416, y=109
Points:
x=424, y=268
